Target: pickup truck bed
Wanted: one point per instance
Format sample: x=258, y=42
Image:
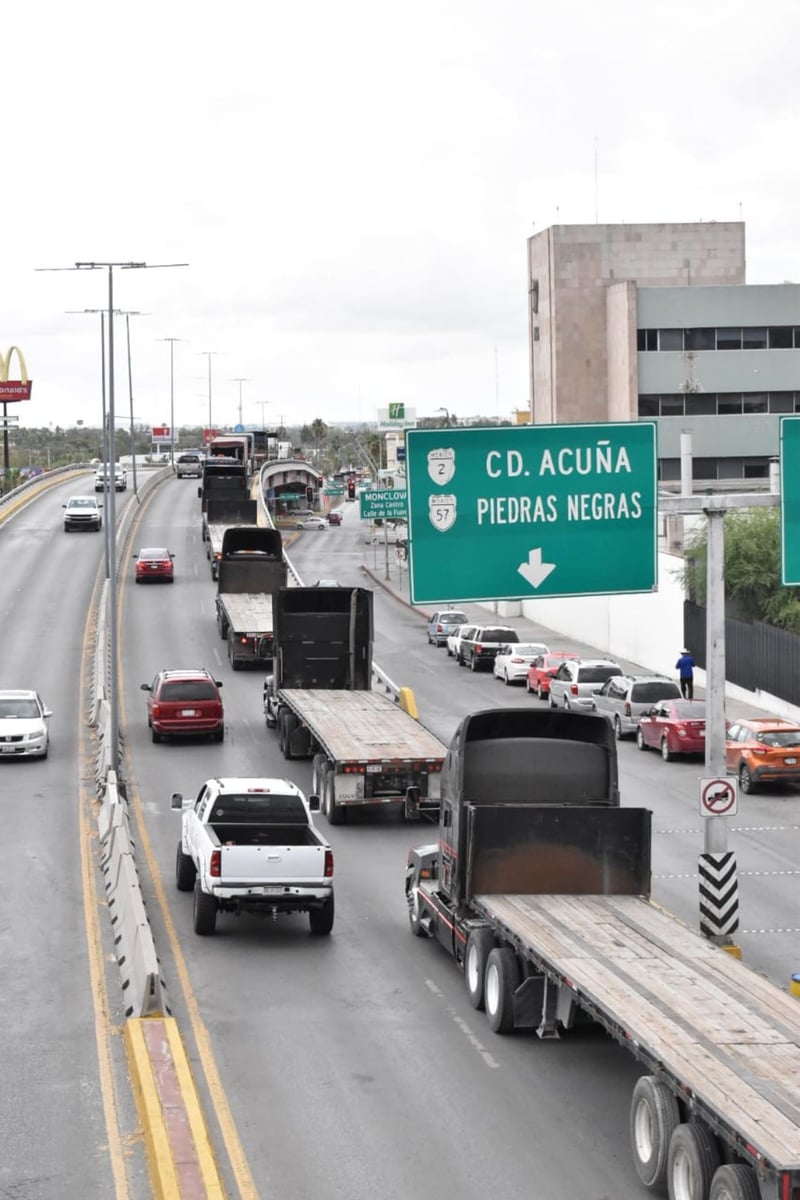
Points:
x=362, y=724
x=689, y=1009
x=264, y=835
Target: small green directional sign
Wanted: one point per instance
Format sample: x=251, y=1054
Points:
x=386, y=504
x=508, y=513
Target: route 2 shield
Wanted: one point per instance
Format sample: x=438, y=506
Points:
x=441, y=466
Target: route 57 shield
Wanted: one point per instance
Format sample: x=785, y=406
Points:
x=442, y=512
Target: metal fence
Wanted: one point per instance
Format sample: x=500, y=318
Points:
x=758, y=657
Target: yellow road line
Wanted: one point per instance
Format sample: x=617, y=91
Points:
x=230, y=1136
x=163, y=1174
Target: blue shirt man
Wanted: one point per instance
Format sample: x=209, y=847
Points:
x=685, y=669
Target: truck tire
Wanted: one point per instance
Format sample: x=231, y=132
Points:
x=320, y=920
x=333, y=811
x=235, y=662
x=222, y=626
x=185, y=871
x=415, y=924
x=480, y=944
x=288, y=725
x=735, y=1182
x=654, y=1118
x=500, y=981
x=319, y=767
x=693, y=1159
x=204, y=913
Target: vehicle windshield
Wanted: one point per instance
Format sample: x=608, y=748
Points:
x=453, y=618
x=779, y=737
x=19, y=708
x=528, y=649
x=153, y=554
x=83, y=502
x=649, y=693
x=499, y=635
x=596, y=674
x=188, y=689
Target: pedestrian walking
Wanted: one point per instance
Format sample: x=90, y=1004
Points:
x=685, y=668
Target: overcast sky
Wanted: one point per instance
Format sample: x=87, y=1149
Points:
x=353, y=182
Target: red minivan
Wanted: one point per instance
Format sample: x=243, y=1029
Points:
x=184, y=704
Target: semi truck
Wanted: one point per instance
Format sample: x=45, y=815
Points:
x=223, y=478
x=223, y=512
x=539, y=886
x=251, y=569
x=238, y=446
x=366, y=750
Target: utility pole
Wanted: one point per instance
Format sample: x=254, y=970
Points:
x=240, y=381
x=208, y=354
x=172, y=341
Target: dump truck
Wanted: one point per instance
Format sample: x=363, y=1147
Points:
x=539, y=886
x=366, y=749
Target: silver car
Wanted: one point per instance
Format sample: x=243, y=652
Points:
x=23, y=725
x=577, y=679
x=625, y=698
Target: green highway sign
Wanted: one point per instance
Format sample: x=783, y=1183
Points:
x=387, y=504
x=290, y=496
x=509, y=513
x=790, y=501
x=333, y=491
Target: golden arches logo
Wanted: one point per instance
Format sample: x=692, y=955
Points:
x=14, y=389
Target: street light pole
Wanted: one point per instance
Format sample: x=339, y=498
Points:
x=240, y=382
x=111, y=514
x=208, y=354
x=128, y=315
x=172, y=341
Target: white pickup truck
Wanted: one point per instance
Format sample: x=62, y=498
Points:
x=250, y=845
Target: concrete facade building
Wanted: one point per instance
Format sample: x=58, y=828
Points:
x=655, y=322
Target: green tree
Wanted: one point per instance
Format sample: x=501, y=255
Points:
x=752, y=569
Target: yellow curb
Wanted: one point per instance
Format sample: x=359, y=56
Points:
x=162, y=1165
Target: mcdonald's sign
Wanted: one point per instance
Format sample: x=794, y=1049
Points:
x=14, y=389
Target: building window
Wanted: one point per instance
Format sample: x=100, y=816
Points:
x=648, y=406
x=699, y=339
x=754, y=337
x=647, y=339
x=669, y=469
x=670, y=339
x=781, y=402
x=754, y=402
x=756, y=468
x=704, y=468
x=729, y=339
x=797, y=337
x=672, y=406
x=729, y=402
x=781, y=337
x=701, y=406
x=730, y=468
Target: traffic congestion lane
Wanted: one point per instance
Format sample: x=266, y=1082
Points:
x=375, y=1023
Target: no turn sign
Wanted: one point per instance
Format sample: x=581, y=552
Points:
x=718, y=797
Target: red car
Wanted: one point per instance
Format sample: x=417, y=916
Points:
x=335, y=517
x=542, y=670
x=184, y=703
x=154, y=564
x=673, y=727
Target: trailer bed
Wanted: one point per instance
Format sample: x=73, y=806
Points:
x=681, y=1003
x=357, y=725
x=248, y=611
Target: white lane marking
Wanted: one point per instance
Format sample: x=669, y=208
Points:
x=464, y=1027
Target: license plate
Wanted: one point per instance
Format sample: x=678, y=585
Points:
x=8, y=749
x=790, y=761
x=272, y=891
x=188, y=712
x=374, y=768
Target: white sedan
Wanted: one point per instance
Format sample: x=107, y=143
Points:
x=23, y=725
x=311, y=523
x=511, y=662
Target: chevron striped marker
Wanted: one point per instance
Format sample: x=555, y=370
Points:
x=719, y=894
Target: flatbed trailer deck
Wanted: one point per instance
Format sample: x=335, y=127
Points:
x=362, y=725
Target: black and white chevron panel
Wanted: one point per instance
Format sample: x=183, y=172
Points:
x=719, y=894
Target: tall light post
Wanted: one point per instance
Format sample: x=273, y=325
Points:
x=172, y=341
x=128, y=316
x=111, y=513
x=240, y=381
x=208, y=354
x=446, y=413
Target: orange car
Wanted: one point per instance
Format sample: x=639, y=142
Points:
x=763, y=750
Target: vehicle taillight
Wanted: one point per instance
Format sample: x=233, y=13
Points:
x=758, y=749
x=328, y=864
x=627, y=708
x=478, y=648
x=156, y=710
x=518, y=660
x=216, y=863
x=574, y=689
x=440, y=629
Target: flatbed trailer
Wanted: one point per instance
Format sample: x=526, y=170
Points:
x=220, y=516
x=251, y=569
x=546, y=909
x=366, y=750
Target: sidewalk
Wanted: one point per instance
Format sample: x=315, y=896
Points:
x=736, y=707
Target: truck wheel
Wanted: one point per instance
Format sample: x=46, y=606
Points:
x=500, y=981
x=653, y=1120
x=222, y=626
x=319, y=766
x=235, y=662
x=412, y=899
x=185, y=871
x=735, y=1182
x=480, y=944
x=320, y=920
x=288, y=725
x=693, y=1159
x=333, y=811
x=204, y=912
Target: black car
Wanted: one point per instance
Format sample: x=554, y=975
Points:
x=478, y=650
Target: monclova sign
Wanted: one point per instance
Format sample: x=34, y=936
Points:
x=14, y=389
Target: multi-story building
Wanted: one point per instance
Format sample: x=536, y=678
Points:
x=655, y=322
